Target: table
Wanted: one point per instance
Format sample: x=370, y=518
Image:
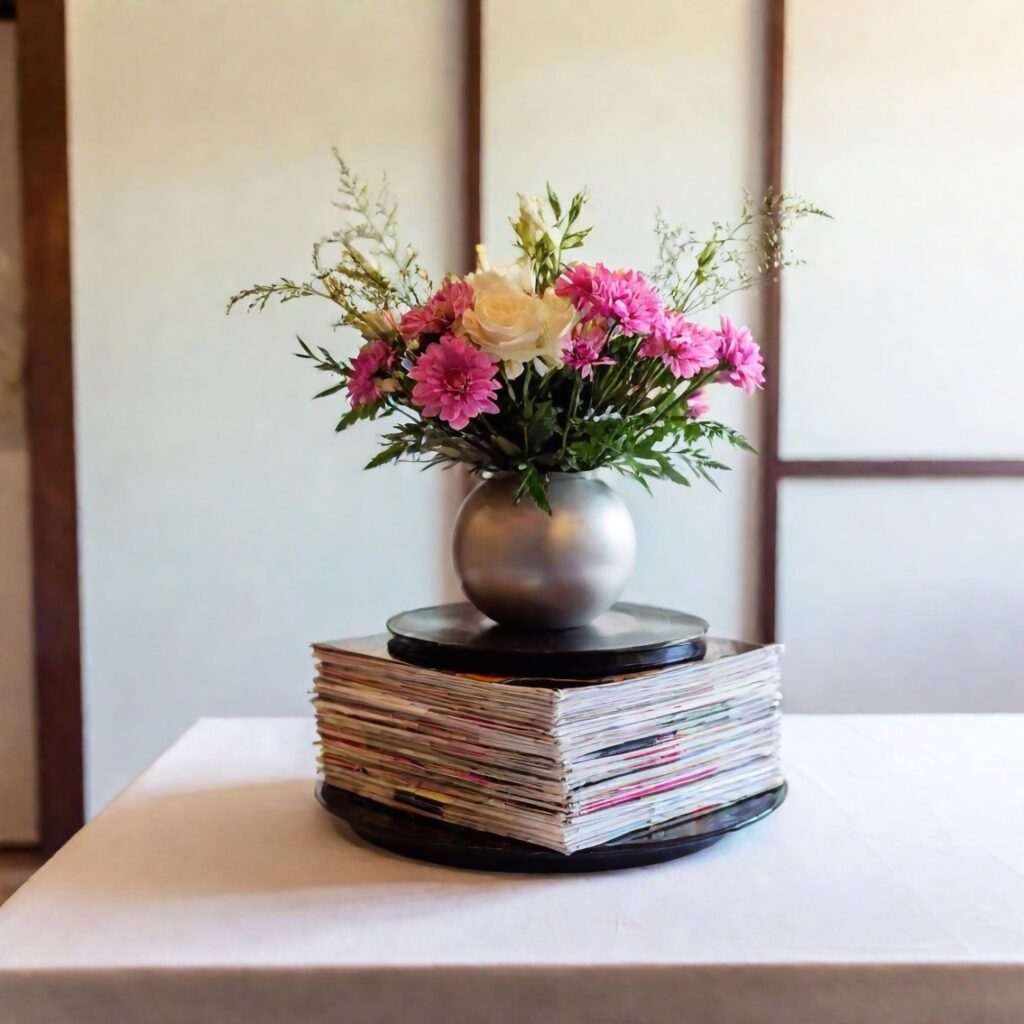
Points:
x=889, y=888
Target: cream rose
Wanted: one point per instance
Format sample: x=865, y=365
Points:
x=513, y=325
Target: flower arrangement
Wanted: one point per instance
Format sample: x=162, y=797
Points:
x=548, y=364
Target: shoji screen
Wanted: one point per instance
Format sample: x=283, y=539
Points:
x=902, y=344
x=651, y=103
x=222, y=524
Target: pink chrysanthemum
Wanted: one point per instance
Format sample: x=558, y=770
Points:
x=740, y=355
x=442, y=311
x=364, y=382
x=582, y=350
x=577, y=284
x=684, y=347
x=625, y=296
x=455, y=381
x=697, y=405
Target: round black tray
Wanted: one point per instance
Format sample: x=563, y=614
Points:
x=439, y=842
x=626, y=638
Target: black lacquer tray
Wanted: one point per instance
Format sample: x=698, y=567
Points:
x=626, y=638
x=439, y=842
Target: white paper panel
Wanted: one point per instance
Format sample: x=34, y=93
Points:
x=223, y=524
x=902, y=596
x=651, y=105
x=906, y=121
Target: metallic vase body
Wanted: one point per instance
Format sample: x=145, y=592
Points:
x=522, y=567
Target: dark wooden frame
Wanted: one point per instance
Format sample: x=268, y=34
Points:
x=771, y=322
x=472, y=110
x=42, y=113
x=774, y=468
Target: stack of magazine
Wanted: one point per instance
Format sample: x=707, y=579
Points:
x=560, y=764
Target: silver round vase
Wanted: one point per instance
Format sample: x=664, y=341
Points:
x=523, y=567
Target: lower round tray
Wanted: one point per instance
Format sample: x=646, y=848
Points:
x=439, y=842
x=626, y=638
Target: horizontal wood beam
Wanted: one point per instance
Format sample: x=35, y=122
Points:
x=900, y=469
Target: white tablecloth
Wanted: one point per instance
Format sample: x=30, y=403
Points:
x=889, y=888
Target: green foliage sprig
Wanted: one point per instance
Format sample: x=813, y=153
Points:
x=362, y=267
x=696, y=272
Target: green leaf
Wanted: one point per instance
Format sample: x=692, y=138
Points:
x=671, y=473
x=542, y=424
x=330, y=391
x=575, y=207
x=556, y=206
x=524, y=486
x=353, y=416
x=389, y=454
x=538, y=491
x=638, y=476
x=575, y=240
x=534, y=484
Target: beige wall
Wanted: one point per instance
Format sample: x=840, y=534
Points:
x=223, y=525
x=17, y=722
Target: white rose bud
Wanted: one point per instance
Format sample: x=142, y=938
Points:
x=531, y=226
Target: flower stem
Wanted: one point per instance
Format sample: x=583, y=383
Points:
x=527, y=409
x=573, y=402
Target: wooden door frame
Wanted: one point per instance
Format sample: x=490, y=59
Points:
x=47, y=319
